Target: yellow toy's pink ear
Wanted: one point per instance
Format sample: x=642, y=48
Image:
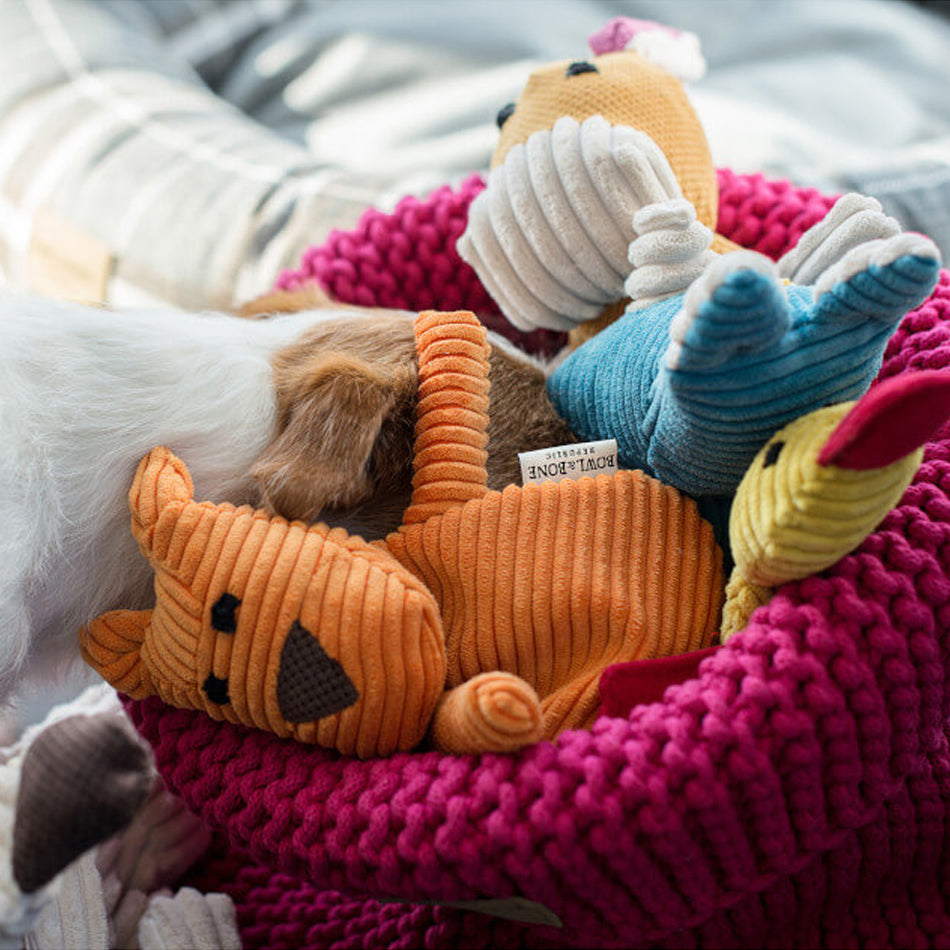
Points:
x=676, y=51
x=890, y=421
x=161, y=480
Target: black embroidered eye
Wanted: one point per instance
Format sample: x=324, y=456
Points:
x=774, y=451
x=216, y=690
x=504, y=114
x=576, y=69
x=222, y=613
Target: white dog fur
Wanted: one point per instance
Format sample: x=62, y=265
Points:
x=84, y=394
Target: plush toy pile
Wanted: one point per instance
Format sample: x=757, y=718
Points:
x=713, y=352
x=782, y=774
x=511, y=604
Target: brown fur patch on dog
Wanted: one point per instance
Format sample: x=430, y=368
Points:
x=310, y=296
x=346, y=395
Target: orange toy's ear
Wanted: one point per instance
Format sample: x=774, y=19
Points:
x=161, y=480
x=112, y=646
x=334, y=435
x=890, y=421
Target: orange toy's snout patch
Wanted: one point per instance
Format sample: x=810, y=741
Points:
x=311, y=684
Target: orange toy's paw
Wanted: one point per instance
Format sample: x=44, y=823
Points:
x=492, y=712
x=112, y=646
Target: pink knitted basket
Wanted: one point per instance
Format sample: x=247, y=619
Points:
x=796, y=794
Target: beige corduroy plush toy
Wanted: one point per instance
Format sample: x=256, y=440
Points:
x=587, y=146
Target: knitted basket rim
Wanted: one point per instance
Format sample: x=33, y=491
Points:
x=804, y=733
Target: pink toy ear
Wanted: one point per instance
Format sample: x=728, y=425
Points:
x=676, y=51
x=614, y=37
x=890, y=421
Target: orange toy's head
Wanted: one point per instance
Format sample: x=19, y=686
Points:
x=306, y=632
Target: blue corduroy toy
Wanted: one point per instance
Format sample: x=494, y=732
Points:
x=693, y=385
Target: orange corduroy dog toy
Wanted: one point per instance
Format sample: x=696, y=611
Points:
x=306, y=632
x=487, y=618
x=551, y=582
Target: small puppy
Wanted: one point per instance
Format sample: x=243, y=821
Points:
x=310, y=414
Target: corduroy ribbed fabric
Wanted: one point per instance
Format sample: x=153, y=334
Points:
x=691, y=387
x=626, y=89
x=549, y=582
x=819, y=486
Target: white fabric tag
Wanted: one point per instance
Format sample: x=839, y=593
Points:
x=568, y=461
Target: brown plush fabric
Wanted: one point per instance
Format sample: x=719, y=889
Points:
x=346, y=394
x=82, y=781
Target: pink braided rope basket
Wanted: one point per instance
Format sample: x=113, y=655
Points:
x=796, y=794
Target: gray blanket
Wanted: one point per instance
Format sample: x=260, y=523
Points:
x=187, y=152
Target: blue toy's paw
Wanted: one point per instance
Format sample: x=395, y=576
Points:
x=736, y=307
x=692, y=387
x=747, y=355
x=880, y=280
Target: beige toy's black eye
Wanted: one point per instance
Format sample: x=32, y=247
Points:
x=774, y=451
x=504, y=114
x=579, y=68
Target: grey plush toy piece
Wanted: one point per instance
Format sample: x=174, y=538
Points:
x=91, y=842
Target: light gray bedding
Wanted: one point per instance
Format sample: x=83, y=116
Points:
x=200, y=146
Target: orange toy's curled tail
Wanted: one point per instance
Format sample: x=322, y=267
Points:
x=492, y=712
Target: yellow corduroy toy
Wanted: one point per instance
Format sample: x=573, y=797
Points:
x=819, y=487
x=628, y=88
x=486, y=619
